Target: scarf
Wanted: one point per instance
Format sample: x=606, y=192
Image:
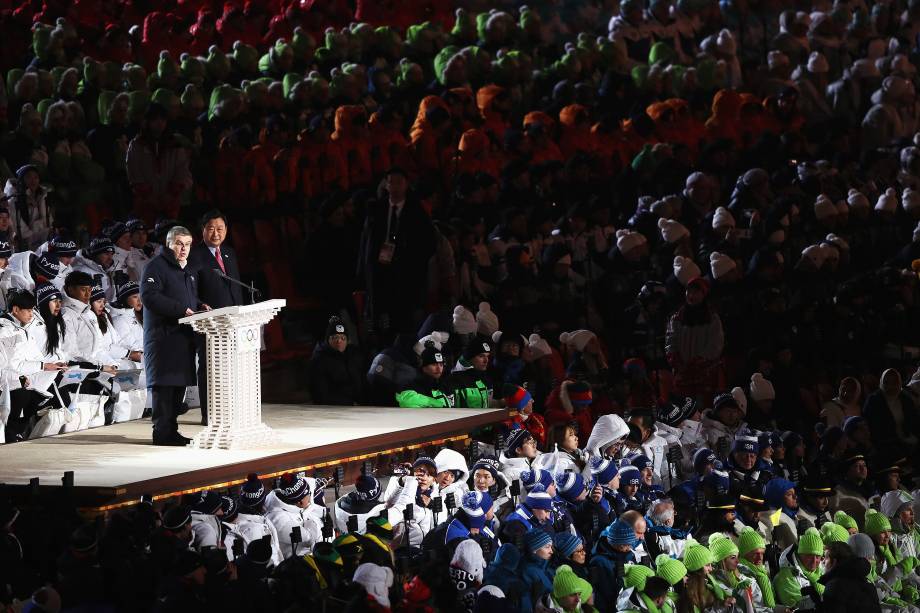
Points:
x=649, y=604
x=763, y=582
x=812, y=577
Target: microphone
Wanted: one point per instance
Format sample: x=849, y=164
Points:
x=253, y=290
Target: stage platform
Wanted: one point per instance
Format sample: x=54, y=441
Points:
x=115, y=465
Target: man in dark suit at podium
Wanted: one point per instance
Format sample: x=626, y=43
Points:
x=208, y=257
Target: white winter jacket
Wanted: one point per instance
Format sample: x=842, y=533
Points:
x=284, y=517
x=92, y=268
x=252, y=528
x=448, y=459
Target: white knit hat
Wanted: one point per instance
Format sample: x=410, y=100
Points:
x=464, y=320
x=486, y=319
x=578, y=339
x=740, y=398
x=721, y=264
x=627, y=240
x=468, y=557
x=777, y=59
x=817, y=63
x=864, y=69
x=722, y=218
x=672, y=231
x=824, y=208
x=916, y=236
x=838, y=242
x=816, y=254
x=726, y=42
x=538, y=347
x=438, y=338
x=376, y=581
x=910, y=200
x=857, y=200
x=887, y=201
x=761, y=388
x=685, y=269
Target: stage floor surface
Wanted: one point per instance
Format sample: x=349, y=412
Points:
x=118, y=463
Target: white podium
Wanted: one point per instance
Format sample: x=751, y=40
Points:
x=234, y=340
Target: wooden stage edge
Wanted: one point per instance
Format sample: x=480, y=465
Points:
x=115, y=465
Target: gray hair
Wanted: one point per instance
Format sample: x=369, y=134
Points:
x=175, y=232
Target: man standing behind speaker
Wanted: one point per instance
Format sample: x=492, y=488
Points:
x=206, y=258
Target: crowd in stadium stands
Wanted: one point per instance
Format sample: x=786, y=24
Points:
x=679, y=239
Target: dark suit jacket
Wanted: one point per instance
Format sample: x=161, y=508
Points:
x=169, y=347
x=212, y=290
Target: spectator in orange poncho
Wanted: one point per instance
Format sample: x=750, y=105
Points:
x=352, y=136
x=782, y=112
x=725, y=122
x=388, y=145
x=494, y=106
x=431, y=124
x=283, y=161
x=322, y=164
x=462, y=106
x=541, y=128
x=753, y=119
x=474, y=155
x=609, y=146
x=576, y=130
x=691, y=130
x=666, y=128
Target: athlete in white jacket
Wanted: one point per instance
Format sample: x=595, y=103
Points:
x=98, y=260
x=288, y=507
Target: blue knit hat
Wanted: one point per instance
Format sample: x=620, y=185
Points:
x=292, y=488
x=703, y=458
x=471, y=505
x=620, y=533
x=570, y=485
x=535, y=539
x=641, y=462
x=539, y=499
x=566, y=543
x=537, y=476
x=746, y=444
x=629, y=475
x=603, y=470
x=252, y=493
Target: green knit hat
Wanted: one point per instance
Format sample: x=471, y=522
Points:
x=721, y=547
x=842, y=519
x=585, y=589
x=696, y=557
x=749, y=540
x=565, y=583
x=635, y=575
x=810, y=543
x=328, y=553
x=834, y=533
x=669, y=569
x=876, y=523
x=441, y=60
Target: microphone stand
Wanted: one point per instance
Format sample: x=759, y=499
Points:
x=253, y=291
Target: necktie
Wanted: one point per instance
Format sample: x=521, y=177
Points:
x=220, y=260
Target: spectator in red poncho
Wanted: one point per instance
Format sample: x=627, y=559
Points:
x=570, y=401
x=243, y=173
x=521, y=401
x=204, y=33
x=155, y=38
x=232, y=26
x=352, y=136
x=322, y=164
